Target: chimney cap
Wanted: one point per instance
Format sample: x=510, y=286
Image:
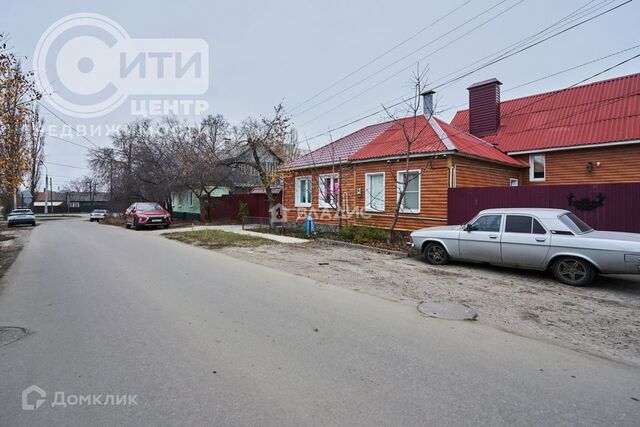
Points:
x=428, y=92
x=484, y=83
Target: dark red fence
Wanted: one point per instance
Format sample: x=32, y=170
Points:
x=228, y=207
x=613, y=207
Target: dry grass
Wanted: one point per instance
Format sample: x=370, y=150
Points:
x=218, y=239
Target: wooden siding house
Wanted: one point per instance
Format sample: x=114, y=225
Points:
x=581, y=135
x=585, y=134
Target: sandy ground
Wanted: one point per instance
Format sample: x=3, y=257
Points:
x=602, y=319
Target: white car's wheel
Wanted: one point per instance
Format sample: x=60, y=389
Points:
x=436, y=254
x=573, y=271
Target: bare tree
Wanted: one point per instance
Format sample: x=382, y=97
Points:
x=267, y=139
x=35, y=148
x=413, y=124
x=201, y=156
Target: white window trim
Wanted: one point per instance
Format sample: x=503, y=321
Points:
x=321, y=202
x=366, y=193
x=544, y=164
x=404, y=210
x=514, y=180
x=297, y=191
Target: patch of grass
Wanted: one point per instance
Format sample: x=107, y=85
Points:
x=218, y=239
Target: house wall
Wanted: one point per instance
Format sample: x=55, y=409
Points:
x=476, y=173
x=434, y=184
x=618, y=164
x=325, y=216
x=188, y=208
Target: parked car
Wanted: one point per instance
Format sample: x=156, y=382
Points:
x=21, y=217
x=145, y=214
x=537, y=239
x=98, y=214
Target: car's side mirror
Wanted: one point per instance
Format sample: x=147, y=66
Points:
x=467, y=227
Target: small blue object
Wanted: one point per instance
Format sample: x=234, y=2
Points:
x=309, y=225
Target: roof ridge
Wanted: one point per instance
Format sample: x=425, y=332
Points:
x=442, y=134
x=566, y=89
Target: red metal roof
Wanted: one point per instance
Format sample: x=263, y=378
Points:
x=340, y=149
x=430, y=137
x=392, y=141
x=600, y=112
x=470, y=145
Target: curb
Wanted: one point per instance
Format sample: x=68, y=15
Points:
x=369, y=248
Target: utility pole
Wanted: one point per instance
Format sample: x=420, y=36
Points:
x=46, y=194
x=51, y=191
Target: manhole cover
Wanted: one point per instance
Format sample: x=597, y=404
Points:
x=9, y=334
x=447, y=310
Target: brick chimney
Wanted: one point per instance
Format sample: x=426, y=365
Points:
x=484, y=107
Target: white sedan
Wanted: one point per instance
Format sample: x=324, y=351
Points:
x=98, y=214
x=537, y=239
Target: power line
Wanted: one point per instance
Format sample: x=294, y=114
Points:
x=477, y=69
x=575, y=15
x=67, y=141
x=431, y=24
x=597, y=104
x=65, y=165
x=417, y=50
x=66, y=123
x=556, y=73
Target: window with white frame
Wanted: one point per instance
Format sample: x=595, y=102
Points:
x=303, y=192
x=411, y=200
x=537, y=167
x=513, y=182
x=374, y=192
x=328, y=191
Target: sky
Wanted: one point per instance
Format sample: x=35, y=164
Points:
x=329, y=62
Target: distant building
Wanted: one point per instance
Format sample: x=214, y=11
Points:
x=71, y=201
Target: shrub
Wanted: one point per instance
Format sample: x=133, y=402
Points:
x=363, y=235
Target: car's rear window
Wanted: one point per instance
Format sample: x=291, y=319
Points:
x=574, y=223
x=21, y=211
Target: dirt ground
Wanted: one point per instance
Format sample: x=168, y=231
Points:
x=603, y=319
x=11, y=242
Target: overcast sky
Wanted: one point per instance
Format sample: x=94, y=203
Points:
x=266, y=52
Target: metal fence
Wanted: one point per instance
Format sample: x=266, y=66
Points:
x=614, y=207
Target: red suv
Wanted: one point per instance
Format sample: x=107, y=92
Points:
x=145, y=214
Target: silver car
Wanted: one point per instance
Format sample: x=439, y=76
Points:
x=537, y=239
x=98, y=214
x=21, y=217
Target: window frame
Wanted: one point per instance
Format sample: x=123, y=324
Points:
x=532, y=167
x=297, y=192
x=399, y=183
x=514, y=180
x=322, y=203
x=367, y=197
x=500, y=228
x=530, y=232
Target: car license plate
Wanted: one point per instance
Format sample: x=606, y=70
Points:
x=156, y=220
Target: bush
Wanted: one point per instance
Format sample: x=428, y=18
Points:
x=363, y=235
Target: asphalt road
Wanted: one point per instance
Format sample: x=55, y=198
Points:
x=204, y=339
